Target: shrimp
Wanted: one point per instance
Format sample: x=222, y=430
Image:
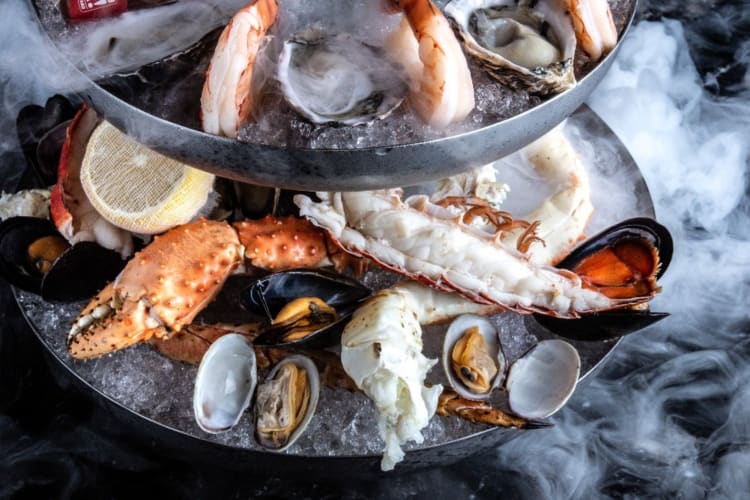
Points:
x=595, y=29
x=441, y=91
x=226, y=100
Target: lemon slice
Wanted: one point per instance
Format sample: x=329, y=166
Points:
x=138, y=189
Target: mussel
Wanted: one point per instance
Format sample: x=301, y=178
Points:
x=638, y=247
x=316, y=306
x=41, y=131
x=225, y=383
x=285, y=402
x=36, y=258
x=541, y=381
x=473, y=359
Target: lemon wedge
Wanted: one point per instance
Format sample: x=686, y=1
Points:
x=138, y=189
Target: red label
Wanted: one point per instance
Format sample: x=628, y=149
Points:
x=87, y=9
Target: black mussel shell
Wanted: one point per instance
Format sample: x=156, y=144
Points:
x=32, y=124
x=605, y=325
x=612, y=324
x=268, y=295
x=50, y=146
x=78, y=273
x=636, y=228
x=16, y=234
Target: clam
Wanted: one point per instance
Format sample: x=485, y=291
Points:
x=335, y=78
x=541, y=381
x=225, y=383
x=36, y=258
x=286, y=402
x=528, y=44
x=638, y=247
x=473, y=359
x=304, y=307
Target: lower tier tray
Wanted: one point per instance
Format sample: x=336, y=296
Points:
x=152, y=394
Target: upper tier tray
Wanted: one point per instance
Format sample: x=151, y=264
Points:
x=158, y=105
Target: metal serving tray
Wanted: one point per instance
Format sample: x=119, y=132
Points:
x=342, y=169
x=151, y=395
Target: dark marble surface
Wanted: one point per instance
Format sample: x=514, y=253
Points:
x=55, y=443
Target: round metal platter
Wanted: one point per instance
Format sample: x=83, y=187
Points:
x=127, y=103
x=152, y=394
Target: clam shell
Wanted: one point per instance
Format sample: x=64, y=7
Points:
x=225, y=383
x=456, y=329
x=542, y=380
x=313, y=378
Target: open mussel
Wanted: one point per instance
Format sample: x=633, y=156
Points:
x=36, y=258
x=304, y=307
x=633, y=253
x=541, y=381
x=285, y=402
x=225, y=383
x=473, y=359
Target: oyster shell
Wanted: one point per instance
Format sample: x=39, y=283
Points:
x=338, y=79
x=286, y=402
x=472, y=357
x=225, y=383
x=527, y=44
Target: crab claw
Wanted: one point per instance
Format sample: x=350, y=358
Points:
x=160, y=290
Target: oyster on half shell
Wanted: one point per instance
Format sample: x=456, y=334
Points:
x=527, y=44
x=335, y=78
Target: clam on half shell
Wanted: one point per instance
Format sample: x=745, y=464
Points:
x=473, y=359
x=527, y=45
x=335, y=78
x=286, y=402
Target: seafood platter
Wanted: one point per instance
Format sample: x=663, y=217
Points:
x=400, y=284
x=368, y=331
x=420, y=90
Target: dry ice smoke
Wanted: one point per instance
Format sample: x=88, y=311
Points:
x=669, y=415
x=138, y=37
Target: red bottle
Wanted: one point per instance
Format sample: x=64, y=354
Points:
x=79, y=10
